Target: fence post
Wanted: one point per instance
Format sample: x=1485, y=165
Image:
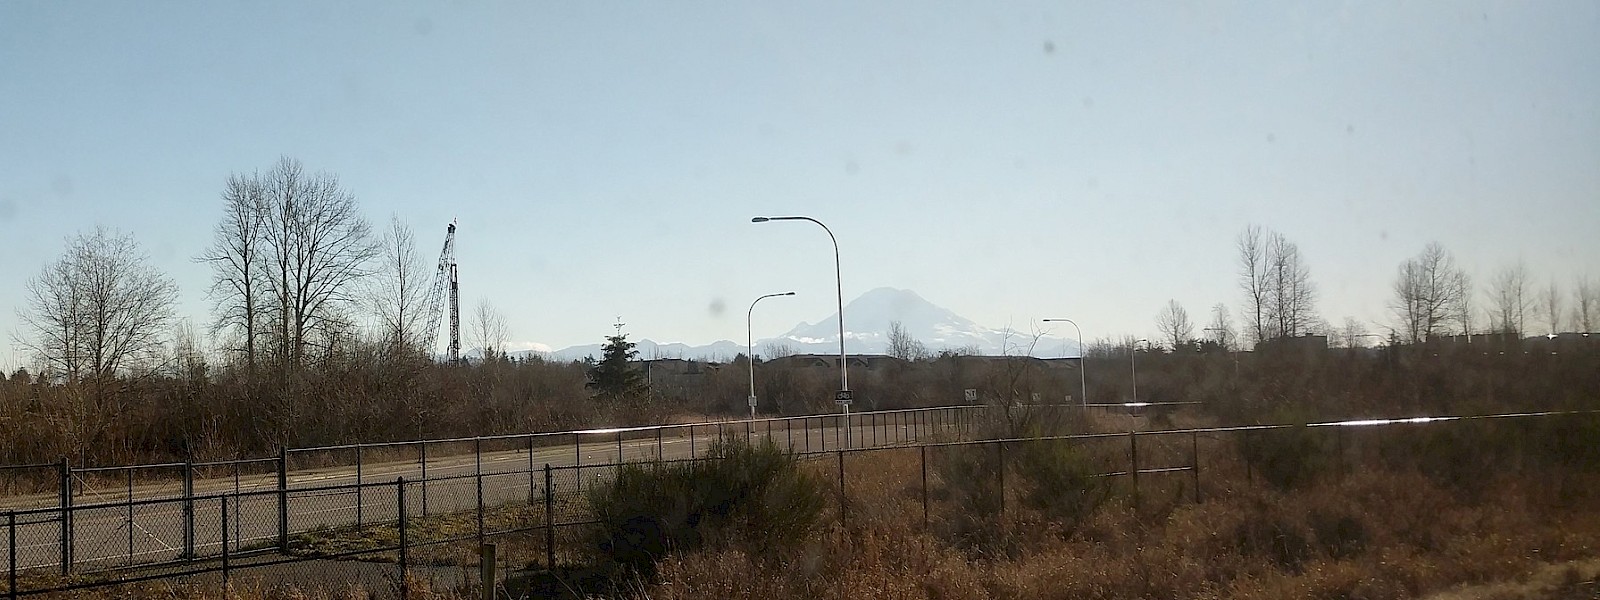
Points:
x=549, y=520
x=477, y=475
x=1249, y=473
x=924, y=486
x=400, y=516
x=577, y=462
x=788, y=434
x=533, y=487
x=224, y=502
x=1194, y=462
x=188, y=509
x=11, y=553
x=1338, y=438
x=841, y=488
x=1133, y=458
x=658, y=445
x=283, y=499
x=1002, y=471
x=130, y=516
x=424, y=478
x=486, y=575
x=65, y=471
x=359, y=495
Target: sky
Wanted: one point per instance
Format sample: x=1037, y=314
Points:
x=1009, y=161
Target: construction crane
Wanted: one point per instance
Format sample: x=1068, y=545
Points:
x=443, y=280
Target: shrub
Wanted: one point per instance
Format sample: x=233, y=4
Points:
x=1061, y=481
x=1288, y=457
x=755, y=494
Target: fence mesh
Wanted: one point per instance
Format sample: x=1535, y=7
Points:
x=326, y=532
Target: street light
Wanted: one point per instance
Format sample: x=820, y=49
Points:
x=843, y=397
x=1083, y=386
x=750, y=341
x=1133, y=353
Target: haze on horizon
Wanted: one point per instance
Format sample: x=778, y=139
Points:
x=1010, y=162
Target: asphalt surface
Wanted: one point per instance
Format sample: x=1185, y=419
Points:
x=108, y=531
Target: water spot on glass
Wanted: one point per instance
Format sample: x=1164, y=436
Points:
x=422, y=26
x=1049, y=47
x=717, y=307
x=1271, y=138
x=851, y=167
x=62, y=185
x=1088, y=101
x=903, y=148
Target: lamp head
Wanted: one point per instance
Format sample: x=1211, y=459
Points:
x=759, y=220
x=787, y=294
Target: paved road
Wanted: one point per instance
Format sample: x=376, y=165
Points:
x=114, y=532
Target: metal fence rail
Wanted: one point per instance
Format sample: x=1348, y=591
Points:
x=401, y=526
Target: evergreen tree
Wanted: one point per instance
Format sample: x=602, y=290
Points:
x=612, y=378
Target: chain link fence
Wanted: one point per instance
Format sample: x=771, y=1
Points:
x=233, y=525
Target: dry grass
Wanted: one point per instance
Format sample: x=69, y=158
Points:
x=1373, y=535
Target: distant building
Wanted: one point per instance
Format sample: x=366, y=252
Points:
x=675, y=375
x=1306, y=346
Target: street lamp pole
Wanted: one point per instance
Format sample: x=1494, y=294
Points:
x=1083, y=385
x=844, y=397
x=750, y=342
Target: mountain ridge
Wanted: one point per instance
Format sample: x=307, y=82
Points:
x=866, y=332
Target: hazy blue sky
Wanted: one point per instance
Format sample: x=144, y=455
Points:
x=1009, y=161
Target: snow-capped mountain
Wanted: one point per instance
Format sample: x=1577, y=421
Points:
x=867, y=332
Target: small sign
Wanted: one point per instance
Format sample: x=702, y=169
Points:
x=972, y=395
x=1035, y=397
x=752, y=401
x=843, y=397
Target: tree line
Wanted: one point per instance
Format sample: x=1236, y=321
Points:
x=1432, y=297
x=296, y=271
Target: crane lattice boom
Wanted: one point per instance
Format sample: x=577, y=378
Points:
x=445, y=281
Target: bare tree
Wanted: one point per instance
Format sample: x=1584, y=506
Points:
x=1351, y=333
x=1427, y=292
x=1586, y=304
x=1510, y=296
x=1551, y=307
x=1280, y=300
x=1253, y=280
x=1174, y=324
x=317, y=245
x=1465, y=311
x=98, y=308
x=236, y=263
x=1291, y=296
x=902, y=345
x=400, y=292
x=776, y=350
x=489, y=329
x=1221, y=327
